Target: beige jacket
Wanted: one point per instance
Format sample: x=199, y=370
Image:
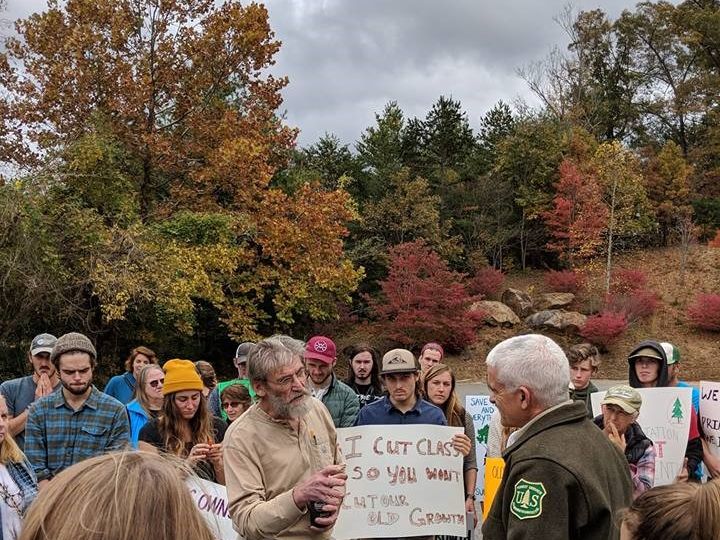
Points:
x=264, y=459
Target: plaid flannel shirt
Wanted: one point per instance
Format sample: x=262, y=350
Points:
x=643, y=473
x=57, y=436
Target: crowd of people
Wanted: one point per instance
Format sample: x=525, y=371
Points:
x=76, y=462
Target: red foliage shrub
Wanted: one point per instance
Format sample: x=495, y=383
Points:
x=625, y=280
x=564, y=281
x=422, y=300
x=637, y=304
x=704, y=312
x=604, y=328
x=487, y=282
x=715, y=242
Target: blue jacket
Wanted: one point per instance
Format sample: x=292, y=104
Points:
x=121, y=387
x=24, y=476
x=138, y=418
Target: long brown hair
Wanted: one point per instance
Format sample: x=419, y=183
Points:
x=117, y=496
x=140, y=393
x=201, y=426
x=454, y=412
x=139, y=350
x=681, y=511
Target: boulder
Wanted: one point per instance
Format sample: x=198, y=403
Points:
x=519, y=301
x=554, y=300
x=498, y=314
x=557, y=319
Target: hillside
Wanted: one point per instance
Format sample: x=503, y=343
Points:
x=700, y=350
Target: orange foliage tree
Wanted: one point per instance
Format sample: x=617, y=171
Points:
x=180, y=90
x=578, y=216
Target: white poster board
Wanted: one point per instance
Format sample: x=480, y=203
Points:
x=211, y=499
x=710, y=415
x=665, y=419
x=403, y=480
x=480, y=409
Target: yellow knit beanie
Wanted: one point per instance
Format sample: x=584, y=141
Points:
x=180, y=375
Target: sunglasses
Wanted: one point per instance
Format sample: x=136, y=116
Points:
x=156, y=382
x=233, y=404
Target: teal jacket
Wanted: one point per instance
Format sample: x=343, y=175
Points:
x=342, y=402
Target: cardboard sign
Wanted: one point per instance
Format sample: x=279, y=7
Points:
x=403, y=480
x=212, y=501
x=480, y=409
x=665, y=419
x=710, y=415
x=494, y=468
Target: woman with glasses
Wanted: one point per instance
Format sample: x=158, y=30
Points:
x=148, y=402
x=186, y=428
x=235, y=400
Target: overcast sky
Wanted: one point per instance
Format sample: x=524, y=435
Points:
x=347, y=58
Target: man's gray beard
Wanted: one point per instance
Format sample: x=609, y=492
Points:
x=287, y=410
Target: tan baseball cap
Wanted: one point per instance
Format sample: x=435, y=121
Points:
x=398, y=361
x=625, y=397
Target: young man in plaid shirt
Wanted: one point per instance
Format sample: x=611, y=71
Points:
x=77, y=421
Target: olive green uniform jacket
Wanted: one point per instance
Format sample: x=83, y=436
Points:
x=563, y=480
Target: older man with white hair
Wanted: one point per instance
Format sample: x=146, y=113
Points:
x=563, y=478
x=284, y=471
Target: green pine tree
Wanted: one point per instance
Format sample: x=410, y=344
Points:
x=677, y=410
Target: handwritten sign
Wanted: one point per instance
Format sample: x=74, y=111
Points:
x=211, y=499
x=494, y=468
x=710, y=415
x=665, y=419
x=480, y=409
x=403, y=480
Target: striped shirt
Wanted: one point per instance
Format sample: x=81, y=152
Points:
x=57, y=436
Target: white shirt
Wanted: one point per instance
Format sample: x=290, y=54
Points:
x=10, y=500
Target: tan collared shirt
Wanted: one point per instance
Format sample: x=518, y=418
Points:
x=265, y=459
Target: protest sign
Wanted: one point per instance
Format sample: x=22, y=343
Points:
x=710, y=415
x=403, y=480
x=480, y=409
x=665, y=419
x=211, y=499
x=494, y=468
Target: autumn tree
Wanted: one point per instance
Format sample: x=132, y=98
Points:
x=578, y=218
x=630, y=215
x=156, y=123
x=421, y=299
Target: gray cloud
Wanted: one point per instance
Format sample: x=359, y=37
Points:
x=347, y=58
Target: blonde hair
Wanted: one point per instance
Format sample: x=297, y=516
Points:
x=140, y=392
x=584, y=351
x=118, y=496
x=9, y=450
x=684, y=511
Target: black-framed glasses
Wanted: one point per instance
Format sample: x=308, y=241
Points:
x=156, y=382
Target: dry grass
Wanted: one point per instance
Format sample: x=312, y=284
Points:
x=700, y=350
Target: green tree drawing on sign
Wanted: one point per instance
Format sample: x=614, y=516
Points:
x=482, y=435
x=677, y=410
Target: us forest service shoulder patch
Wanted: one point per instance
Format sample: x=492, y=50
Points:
x=527, y=499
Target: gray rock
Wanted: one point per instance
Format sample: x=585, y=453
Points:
x=498, y=314
x=554, y=300
x=519, y=301
x=557, y=319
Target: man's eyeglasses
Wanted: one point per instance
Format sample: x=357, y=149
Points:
x=301, y=375
x=156, y=382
